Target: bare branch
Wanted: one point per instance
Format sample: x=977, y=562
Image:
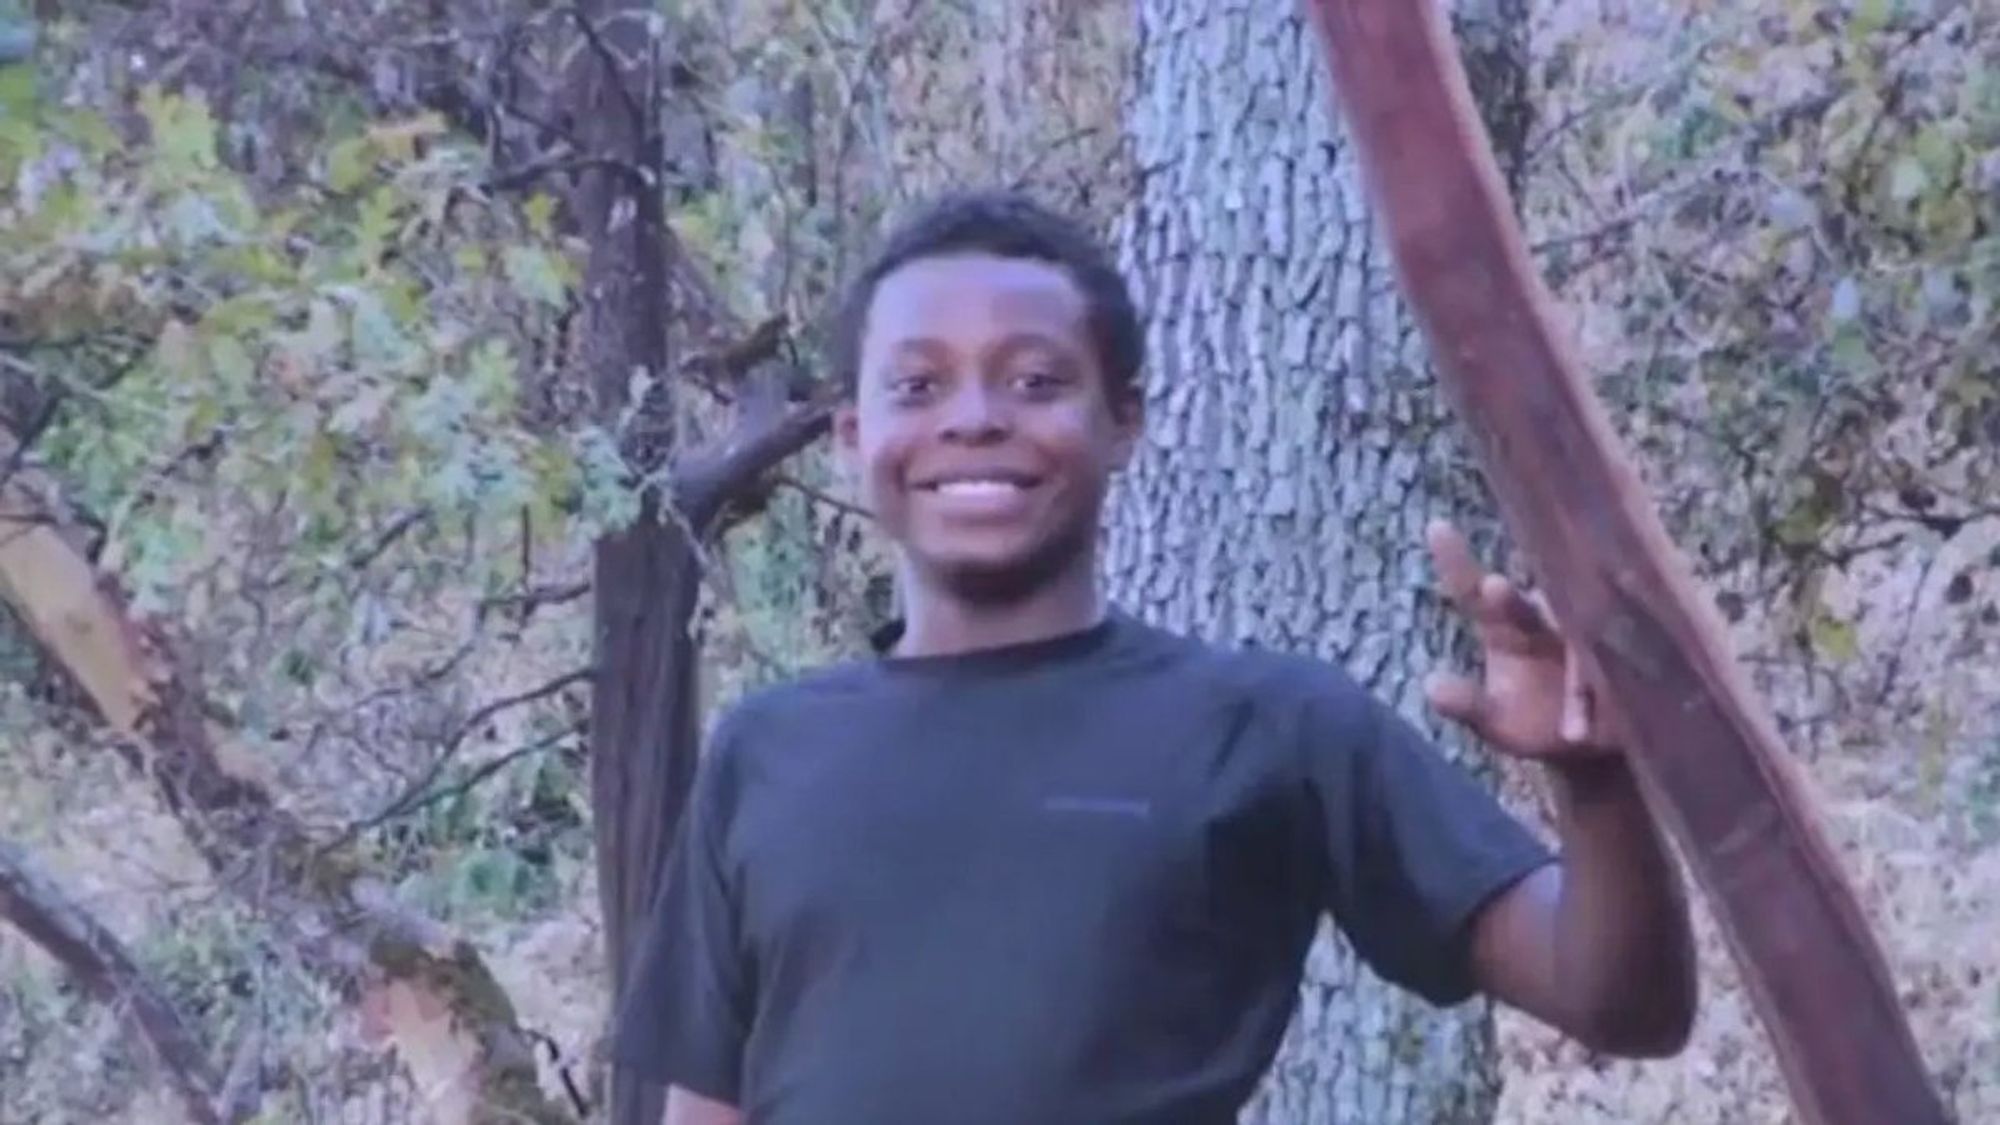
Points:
x=736, y=360
x=563, y=163
x=100, y=962
x=420, y=798
x=761, y=440
x=506, y=703
x=418, y=794
x=821, y=496
x=387, y=537
x=535, y=597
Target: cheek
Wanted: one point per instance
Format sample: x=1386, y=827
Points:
x=879, y=468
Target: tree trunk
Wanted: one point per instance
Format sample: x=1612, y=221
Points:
x=642, y=295
x=642, y=717
x=1296, y=449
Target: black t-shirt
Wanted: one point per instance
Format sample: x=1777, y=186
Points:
x=1067, y=881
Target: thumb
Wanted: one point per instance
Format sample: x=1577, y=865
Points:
x=1459, y=698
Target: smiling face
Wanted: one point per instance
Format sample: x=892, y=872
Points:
x=982, y=430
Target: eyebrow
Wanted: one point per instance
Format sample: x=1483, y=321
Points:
x=1007, y=346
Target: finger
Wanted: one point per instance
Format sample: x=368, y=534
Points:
x=1458, y=571
x=1460, y=699
x=1576, y=710
x=1503, y=605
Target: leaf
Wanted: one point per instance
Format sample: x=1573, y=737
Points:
x=323, y=332
x=361, y=412
x=375, y=226
x=491, y=375
x=18, y=92
x=540, y=210
x=348, y=164
x=1907, y=178
x=1870, y=16
x=1832, y=637
x=1846, y=303
x=231, y=362
x=377, y=338
x=398, y=140
x=536, y=274
x=177, y=349
x=183, y=130
x=1790, y=209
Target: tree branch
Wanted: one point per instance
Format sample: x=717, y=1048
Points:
x=534, y=597
x=557, y=163
x=100, y=962
x=419, y=797
x=762, y=440
x=821, y=496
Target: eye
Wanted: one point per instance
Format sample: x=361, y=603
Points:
x=912, y=385
x=1040, y=381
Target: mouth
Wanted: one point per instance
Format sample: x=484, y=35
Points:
x=978, y=486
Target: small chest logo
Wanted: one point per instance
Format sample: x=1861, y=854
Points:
x=1138, y=808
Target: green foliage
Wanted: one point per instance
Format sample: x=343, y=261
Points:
x=508, y=845
x=335, y=357
x=1806, y=262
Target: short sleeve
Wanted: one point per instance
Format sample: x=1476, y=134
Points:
x=1415, y=846
x=685, y=1015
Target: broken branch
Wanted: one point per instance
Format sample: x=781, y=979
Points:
x=100, y=962
x=450, y=1020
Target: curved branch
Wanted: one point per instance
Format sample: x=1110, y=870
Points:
x=1703, y=746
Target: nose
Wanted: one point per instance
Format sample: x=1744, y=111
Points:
x=974, y=412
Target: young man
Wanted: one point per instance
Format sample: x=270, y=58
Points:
x=1038, y=863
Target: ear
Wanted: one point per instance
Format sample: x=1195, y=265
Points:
x=846, y=436
x=1128, y=419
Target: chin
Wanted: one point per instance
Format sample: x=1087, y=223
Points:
x=994, y=575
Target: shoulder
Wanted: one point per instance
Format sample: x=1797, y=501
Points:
x=767, y=714
x=1278, y=674
x=1316, y=695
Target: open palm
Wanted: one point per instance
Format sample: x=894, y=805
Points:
x=1532, y=700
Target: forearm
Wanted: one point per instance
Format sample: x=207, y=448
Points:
x=1622, y=950
x=687, y=1108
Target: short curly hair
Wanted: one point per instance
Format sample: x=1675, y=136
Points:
x=1004, y=224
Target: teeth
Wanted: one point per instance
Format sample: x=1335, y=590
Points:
x=977, y=487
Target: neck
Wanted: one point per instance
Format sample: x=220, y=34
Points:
x=939, y=621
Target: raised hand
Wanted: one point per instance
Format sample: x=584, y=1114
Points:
x=1532, y=701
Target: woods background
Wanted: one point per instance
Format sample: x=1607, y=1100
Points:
x=407, y=443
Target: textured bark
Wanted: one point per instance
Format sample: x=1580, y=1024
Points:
x=99, y=961
x=641, y=293
x=1704, y=746
x=1295, y=453
x=646, y=577
x=431, y=995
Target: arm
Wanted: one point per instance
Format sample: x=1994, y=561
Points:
x=1599, y=945
x=684, y=1017
x=687, y=1108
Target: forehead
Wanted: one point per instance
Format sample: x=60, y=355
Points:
x=967, y=297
